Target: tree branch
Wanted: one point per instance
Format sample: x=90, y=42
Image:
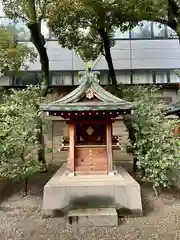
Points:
x=174, y=7
x=32, y=11
x=21, y=17
x=43, y=8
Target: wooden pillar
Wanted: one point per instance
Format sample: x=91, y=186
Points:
x=71, y=147
x=109, y=145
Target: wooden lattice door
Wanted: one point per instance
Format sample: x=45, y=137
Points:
x=90, y=150
x=91, y=133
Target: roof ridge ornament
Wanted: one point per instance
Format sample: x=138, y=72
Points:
x=89, y=75
x=89, y=94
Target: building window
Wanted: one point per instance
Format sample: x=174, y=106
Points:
x=142, y=77
x=22, y=32
x=7, y=24
x=26, y=78
x=76, y=78
x=123, y=77
x=104, y=78
x=142, y=30
x=45, y=30
x=52, y=37
x=121, y=34
x=171, y=33
x=61, y=78
x=174, y=77
x=159, y=30
x=1, y=9
x=5, y=81
x=161, y=76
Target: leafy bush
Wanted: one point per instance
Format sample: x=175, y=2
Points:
x=156, y=148
x=19, y=118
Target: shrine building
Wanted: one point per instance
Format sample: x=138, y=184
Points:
x=89, y=179
x=89, y=111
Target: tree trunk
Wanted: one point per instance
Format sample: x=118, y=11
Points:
x=26, y=187
x=39, y=42
x=41, y=151
x=107, y=49
x=111, y=67
x=173, y=15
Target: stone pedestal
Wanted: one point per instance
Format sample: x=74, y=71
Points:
x=65, y=193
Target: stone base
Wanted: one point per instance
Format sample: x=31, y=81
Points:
x=64, y=193
x=101, y=217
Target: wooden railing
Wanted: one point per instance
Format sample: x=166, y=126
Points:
x=116, y=144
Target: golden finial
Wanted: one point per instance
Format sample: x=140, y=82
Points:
x=89, y=66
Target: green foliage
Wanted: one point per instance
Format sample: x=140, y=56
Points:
x=89, y=26
x=19, y=117
x=80, y=24
x=32, y=12
x=169, y=14
x=156, y=148
x=28, y=10
x=13, y=54
x=76, y=24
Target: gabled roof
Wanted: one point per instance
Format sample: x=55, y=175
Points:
x=89, y=96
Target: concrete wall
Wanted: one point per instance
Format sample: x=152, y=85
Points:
x=126, y=54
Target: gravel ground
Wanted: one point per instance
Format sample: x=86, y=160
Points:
x=20, y=218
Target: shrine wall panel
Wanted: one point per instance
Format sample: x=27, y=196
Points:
x=90, y=159
x=59, y=128
x=119, y=129
x=121, y=156
x=55, y=130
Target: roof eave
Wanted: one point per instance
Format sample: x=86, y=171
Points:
x=47, y=108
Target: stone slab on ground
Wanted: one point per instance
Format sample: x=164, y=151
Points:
x=63, y=193
x=99, y=217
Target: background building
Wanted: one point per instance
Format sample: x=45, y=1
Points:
x=147, y=54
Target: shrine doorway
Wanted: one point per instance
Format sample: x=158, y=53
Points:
x=90, y=148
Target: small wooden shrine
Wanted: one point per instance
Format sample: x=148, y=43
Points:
x=89, y=111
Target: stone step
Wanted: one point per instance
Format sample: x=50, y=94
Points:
x=99, y=217
x=84, y=168
x=91, y=173
x=79, y=164
x=91, y=165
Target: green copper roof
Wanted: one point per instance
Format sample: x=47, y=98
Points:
x=96, y=97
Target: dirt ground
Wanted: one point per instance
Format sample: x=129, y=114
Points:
x=20, y=218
